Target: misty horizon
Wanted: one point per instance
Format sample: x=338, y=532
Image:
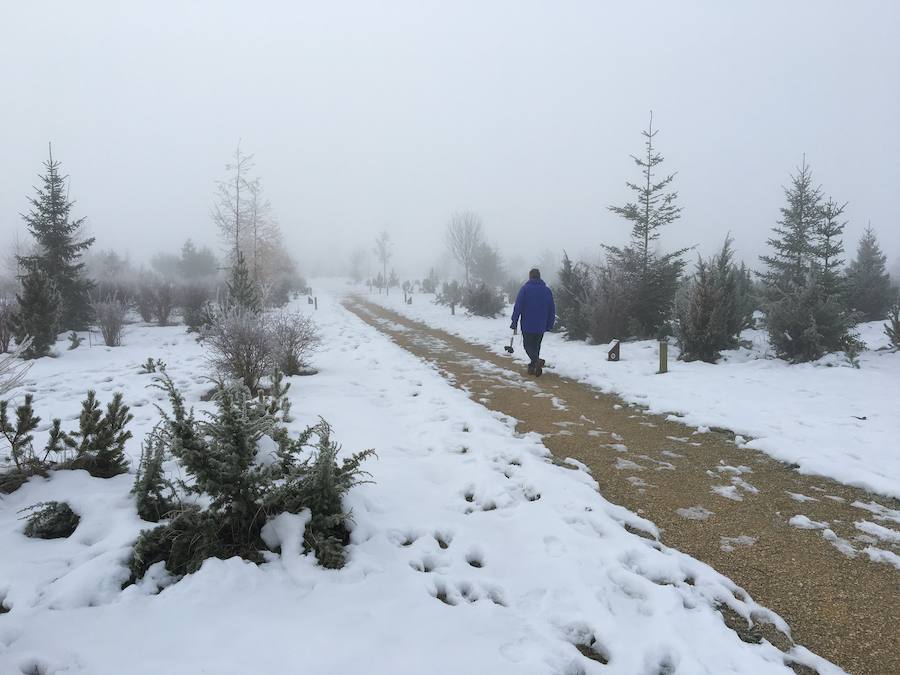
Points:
x=363, y=119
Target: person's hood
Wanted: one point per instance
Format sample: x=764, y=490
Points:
x=539, y=282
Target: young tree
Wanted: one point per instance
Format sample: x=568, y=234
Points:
x=487, y=265
x=464, y=237
x=793, y=242
x=60, y=247
x=805, y=315
x=38, y=314
x=828, y=246
x=571, y=297
x=869, y=289
x=651, y=279
x=384, y=253
x=230, y=212
x=243, y=294
x=708, y=317
x=197, y=263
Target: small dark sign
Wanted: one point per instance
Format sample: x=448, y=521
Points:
x=613, y=354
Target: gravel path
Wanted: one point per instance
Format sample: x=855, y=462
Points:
x=800, y=545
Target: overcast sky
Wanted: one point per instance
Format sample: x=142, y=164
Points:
x=374, y=115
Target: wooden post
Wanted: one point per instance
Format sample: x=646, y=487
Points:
x=316, y=302
x=663, y=357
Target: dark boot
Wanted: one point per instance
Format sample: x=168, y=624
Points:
x=539, y=367
x=531, y=369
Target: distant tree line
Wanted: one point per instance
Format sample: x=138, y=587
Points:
x=808, y=299
x=62, y=285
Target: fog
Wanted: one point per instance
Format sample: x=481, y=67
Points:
x=364, y=116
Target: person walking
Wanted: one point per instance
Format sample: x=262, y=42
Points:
x=535, y=307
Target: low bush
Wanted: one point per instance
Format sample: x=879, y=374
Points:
x=193, y=300
x=240, y=490
x=145, y=298
x=110, y=317
x=97, y=446
x=7, y=312
x=292, y=337
x=805, y=324
x=50, y=520
x=163, y=302
x=483, y=300
x=451, y=295
x=240, y=347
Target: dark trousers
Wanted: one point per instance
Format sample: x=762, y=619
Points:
x=532, y=344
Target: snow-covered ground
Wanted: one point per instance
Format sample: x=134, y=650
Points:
x=828, y=417
x=471, y=552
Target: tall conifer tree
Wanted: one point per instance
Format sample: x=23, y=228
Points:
x=59, y=246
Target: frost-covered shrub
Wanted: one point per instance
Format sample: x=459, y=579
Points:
x=153, y=493
x=220, y=454
x=293, y=337
x=7, y=312
x=50, y=520
x=240, y=347
x=145, y=298
x=12, y=370
x=110, y=317
x=164, y=302
x=483, y=300
x=892, y=328
x=193, y=299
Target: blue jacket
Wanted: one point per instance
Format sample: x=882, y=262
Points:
x=535, y=305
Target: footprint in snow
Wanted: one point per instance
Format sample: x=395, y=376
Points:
x=554, y=547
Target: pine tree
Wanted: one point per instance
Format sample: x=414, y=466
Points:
x=651, y=278
x=709, y=316
x=59, y=247
x=794, y=243
x=828, y=246
x=38, y=314
x=242, y=292
x=571, y=297
x=869, y=290
x=805, y=315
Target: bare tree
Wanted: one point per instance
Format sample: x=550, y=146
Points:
x=384, y=253
x=262, y=229
x=464, y=236
x=12, y=369
x=230, y=212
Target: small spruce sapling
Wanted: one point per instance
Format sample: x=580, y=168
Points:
x=99, y=443
x=153, y=493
